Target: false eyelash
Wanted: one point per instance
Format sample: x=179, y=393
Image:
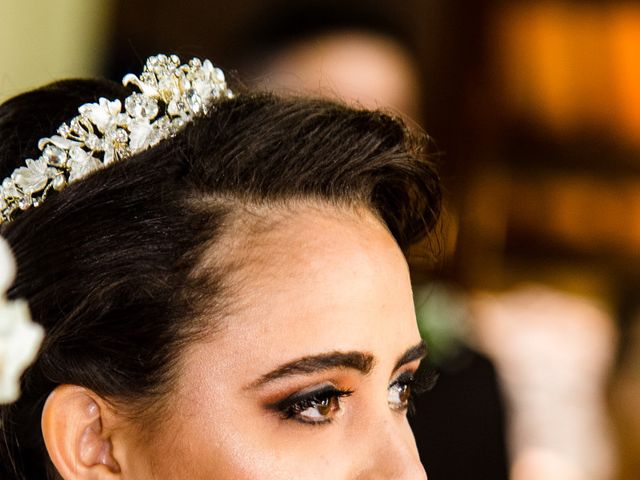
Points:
x=421, y=381
x=425, y=380
x=299, y=402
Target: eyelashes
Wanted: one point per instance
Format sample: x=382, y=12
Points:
x=418, y=383
x=314, y=407
x=323, y=404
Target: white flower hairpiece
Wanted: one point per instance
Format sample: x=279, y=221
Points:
x=170, y=95
x=20, y=338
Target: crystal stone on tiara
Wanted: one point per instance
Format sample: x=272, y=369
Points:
x=169, y=96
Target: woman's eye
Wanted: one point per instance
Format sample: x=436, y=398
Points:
x=408, y=385
x=317, y=410
x=399, y=394
x=315, y=407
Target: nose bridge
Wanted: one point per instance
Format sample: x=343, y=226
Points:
x=392, y=452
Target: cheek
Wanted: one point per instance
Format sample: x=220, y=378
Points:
x=240, y=441
x=248, y=448
x=236, y=442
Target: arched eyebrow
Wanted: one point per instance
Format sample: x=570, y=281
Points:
x=360, y=361
x=417, y=352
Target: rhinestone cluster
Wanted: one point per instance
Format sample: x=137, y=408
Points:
x=169, y=96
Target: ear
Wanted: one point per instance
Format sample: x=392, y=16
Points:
x=77, y=426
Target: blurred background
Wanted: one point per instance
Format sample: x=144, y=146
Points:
x=531, y=308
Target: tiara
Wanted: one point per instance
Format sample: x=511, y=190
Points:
x=170, y=95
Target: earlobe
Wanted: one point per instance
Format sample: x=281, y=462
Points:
x=77, y=439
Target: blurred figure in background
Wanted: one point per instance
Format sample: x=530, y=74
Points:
x=367, y=68
x=554, y=353
x=626, y=401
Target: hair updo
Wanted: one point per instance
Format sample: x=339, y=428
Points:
x=109, y=265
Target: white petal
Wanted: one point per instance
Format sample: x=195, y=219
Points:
x=82, y=168
x=98, y=114
x=58, y=141
x=39, y=166
x=30, y=179
x=139, y=135
x=114, y=107
x=9, y=188
x=77, y=154
x=20, y=340
x=147, y=89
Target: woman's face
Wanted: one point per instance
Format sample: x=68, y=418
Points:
x=307, y=376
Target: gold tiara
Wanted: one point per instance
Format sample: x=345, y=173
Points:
x=170, y=95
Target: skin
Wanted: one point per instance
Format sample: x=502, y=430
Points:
x=360, y=67
x=320, y=282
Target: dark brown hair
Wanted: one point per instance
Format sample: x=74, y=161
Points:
x=109, y=264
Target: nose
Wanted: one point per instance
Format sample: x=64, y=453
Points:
x=392, y=453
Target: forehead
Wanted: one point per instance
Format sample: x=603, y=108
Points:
x=318, y=279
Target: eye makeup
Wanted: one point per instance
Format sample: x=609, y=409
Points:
x=322, y=403
x=313, y=406
x=400, y=391
x=408, y=386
